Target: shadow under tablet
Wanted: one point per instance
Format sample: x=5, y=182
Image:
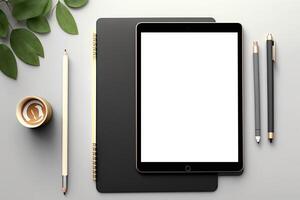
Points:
x=116, y=153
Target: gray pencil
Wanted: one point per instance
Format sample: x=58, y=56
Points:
x=256, y=91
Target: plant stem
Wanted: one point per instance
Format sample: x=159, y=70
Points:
x=7, y=4
x=10, y=26
x=2, y=1
x=51, y=13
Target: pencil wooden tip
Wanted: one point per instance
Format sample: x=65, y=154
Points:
x=64, y=190
x=269, y=36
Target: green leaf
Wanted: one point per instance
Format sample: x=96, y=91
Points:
x=26, y=9
x=38, y=24
x=65, y=19
x=8, y=64
x=47, y=8
x=26, y=46
x=76, y=3
x=3, y=24
x=14, y=2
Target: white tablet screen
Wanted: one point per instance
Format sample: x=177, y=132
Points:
x=189, y=97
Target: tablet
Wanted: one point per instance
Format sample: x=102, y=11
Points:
x=189, y=97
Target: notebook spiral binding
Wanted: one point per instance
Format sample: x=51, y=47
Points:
x=94, y=145
x=94, y=158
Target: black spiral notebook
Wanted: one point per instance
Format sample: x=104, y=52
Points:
x=116, y=153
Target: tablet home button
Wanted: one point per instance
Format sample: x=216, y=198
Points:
x=188, y=168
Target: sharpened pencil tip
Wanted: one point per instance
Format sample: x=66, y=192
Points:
x=271, y=140
x=257, y=139
x=269, y=36
x=271, y=136
x=64, y=191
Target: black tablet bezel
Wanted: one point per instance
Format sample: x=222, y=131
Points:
x=188, y=167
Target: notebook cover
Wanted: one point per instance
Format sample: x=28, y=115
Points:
x=116, y=154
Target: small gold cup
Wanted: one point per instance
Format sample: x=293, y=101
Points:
x=33, y=111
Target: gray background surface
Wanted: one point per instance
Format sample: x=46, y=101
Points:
x=30, y=165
